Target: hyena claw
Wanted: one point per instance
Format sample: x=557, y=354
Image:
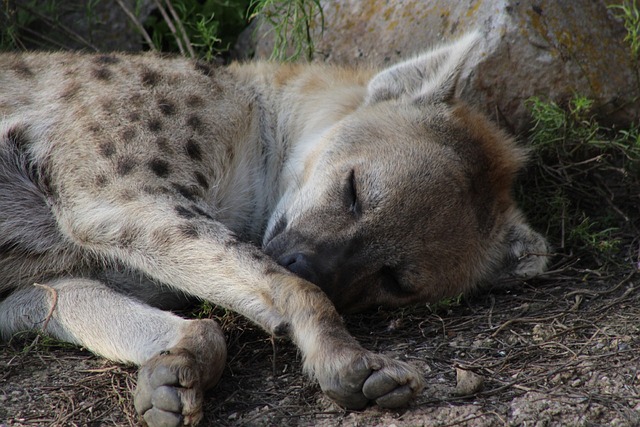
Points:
x=169, y=392
x=171, y=384
x=373, y=378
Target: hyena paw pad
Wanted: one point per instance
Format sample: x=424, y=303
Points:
x=373, y=378
x=169, y=391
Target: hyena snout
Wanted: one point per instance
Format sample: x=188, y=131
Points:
x=319, y=263
x=299, y=264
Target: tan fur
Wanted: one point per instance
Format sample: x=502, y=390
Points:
x=134, y=183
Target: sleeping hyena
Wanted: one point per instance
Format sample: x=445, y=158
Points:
x=281, y=192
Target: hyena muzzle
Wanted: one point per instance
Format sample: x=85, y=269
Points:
x=281, y=192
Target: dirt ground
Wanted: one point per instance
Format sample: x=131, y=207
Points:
x=561, y=350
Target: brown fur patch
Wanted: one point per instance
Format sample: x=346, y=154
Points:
x=128, y=133
x=70, y=91
x=194, y=101
x=133, y=116
x=22, y=70
x=128, y=236
x=101, y=180
x=164, y=145
x=102, y=73
x=287, y=73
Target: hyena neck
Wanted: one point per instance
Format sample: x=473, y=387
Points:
x=297, y=104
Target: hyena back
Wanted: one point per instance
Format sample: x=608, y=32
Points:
x=277, y=191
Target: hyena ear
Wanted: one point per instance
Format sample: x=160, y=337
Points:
x=430, y=77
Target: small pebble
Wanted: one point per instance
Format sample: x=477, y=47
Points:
x=468, y=382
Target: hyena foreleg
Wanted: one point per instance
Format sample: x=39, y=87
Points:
x=195, y=254
x=180, y=358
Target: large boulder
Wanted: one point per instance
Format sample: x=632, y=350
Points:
x=76, y=24
x=552, y=49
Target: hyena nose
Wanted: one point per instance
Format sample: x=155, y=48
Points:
x=300, y=265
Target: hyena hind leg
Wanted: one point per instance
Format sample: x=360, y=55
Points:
x=179, y=358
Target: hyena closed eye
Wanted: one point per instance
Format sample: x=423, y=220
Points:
x=282, y=192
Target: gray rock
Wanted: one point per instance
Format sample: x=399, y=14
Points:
x=77, y=24
x=551, y=49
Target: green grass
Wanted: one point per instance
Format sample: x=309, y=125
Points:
x=583, y=188
x=630, y=15
x=291, y=22
x=197, y=28
x=194, y=28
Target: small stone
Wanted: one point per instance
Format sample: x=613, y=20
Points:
x=468, y=382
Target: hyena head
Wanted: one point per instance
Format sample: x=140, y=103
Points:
x=408, y=198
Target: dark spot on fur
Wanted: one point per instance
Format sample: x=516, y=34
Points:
x=106, y=59
x=202, y=180
x=163, y=145
x=108, y=105
x=136, y=99
x=128, y=133
x=195, y=123
x=189, y=193
x=166, y=107
x=101, y=180
x=125, y=166
x=94, y=128
x=154, y=125
x=204, y=68
x=189, y=230
x=150, y=77
x=128, y=236
x=70, y=91
x=193, y=150
x=133, y=116
x=101, y=74
x=160, y=167
x=107, y=148
x=22, y=70
x=184, y=212
x=201, y=212
x=194, y=101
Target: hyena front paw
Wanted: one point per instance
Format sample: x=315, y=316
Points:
x=169, y=391
x=370, y=377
